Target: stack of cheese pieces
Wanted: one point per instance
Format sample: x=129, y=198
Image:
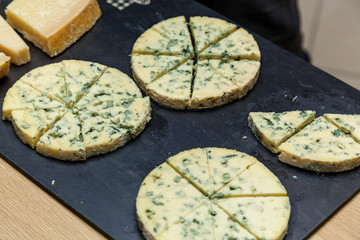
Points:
x=211, y=64
x=75, y=109
x=326, y=144
x=212, y=193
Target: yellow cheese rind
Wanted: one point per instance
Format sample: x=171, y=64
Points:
x=53, y=25
x=321, y=147
x=346, y=122
x=4, y=64
x=238, y=45
x=272, y=129
x=12, y=45
x=173, y=89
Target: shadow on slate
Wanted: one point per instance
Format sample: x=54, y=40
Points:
x=103, y=190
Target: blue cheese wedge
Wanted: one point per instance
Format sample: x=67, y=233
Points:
x=147, y=68
x=208, y=30
x=244, y=73
x=176, y=30
x=64, y=140
x=256, y=180
x=22, y=96
x=238, y=45
x=263, y=217
x=30, y=124
x=346, y=122
x=272, y=129
x=321, y=147
x=210, y=89
x=173, y=89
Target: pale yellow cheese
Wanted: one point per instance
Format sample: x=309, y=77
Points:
x=264, y=217
x=210, y=89
x=238, y=45
x=256, y=180
x=53, y=25
x=147, y=68
x=208, y=30
x=173, y=89
x=12, y=45
x=272, y=129
x=64, y=140
x=347, y=122
x=30, y=124
x=321, y=147
x=22, y=96
x=4, y=64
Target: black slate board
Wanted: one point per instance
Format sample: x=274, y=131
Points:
x=103, y=189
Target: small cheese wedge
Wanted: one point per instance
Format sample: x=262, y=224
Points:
x=243, y=73
x=147, y=68
x=22, y=96
x=101, y=135
x=225, y=164
x=53, y=25
x=30, y=124
x=321, y=147
x=238, y=45
x=176, y=29
x=193, y=166
x=264, y=217
x=173, y=89
x=4, y=64
x=210, y=89
x=49, y=79
x=256, y=180
x=346, y=122
x=208, y=30
x=272, y=129
x=64, y=140
x=12, y=45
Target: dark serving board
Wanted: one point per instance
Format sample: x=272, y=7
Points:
x=103, y=189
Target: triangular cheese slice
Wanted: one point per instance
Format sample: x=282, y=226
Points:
x=321, y=147
x=176, y=29
x=174, y=88
x=348, y=123
x=264, y=217
x=238, y=45
x=272, y=129
x=207, y=30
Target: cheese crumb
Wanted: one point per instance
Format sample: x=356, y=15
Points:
x=293, y=100
x=244, y=137
x=294, y=177
x=52, y=182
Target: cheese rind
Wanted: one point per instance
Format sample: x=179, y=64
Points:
x=346, y=122
x=272, y=129
x=321, y=147
x=4, y=64
x=12, y=45
x=53, y=25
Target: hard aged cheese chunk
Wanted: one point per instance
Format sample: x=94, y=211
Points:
x=243, y=73
x=257, y=180
x=207, y=30
x=238, y=45
x=173, y=89
x=12, y=45
x=147, y=68
x=53, y=25
x=346, y=122
x=211, y=89
x=64, y=140
x=22, y=96
x=264, y=217
x=4, y=64
x=30, y=124
x=321, y=147
x=272, y=129
x=101, y=135
x=176, y=30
